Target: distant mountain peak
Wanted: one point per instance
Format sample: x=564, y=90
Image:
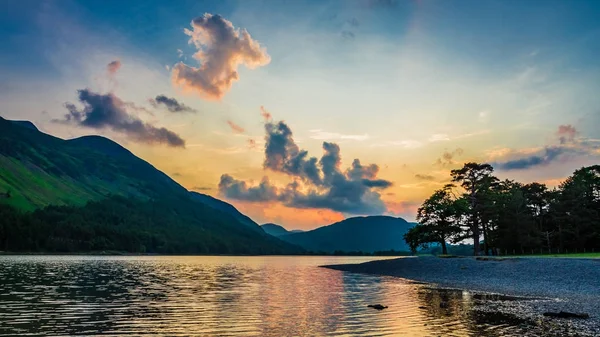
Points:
x=278, y=230
x=363, y=233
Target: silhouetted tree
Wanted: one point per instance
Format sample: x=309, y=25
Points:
x=439, y=217
x=476, y=179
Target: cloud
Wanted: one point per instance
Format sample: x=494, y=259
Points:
x=171, y=104
x=405, y=209
x=568, y=144
x=407, y=144
x=266, y=115
x=323, y=135
x=448, y=158
x=283, y=155
x=353, y=22
x=425, y=177
x=239, y=190
x=346, y=34
x=113, y=67
x=222, y=48
x=381, y=3
x=548, y=155
x=102, y=111
x=201, y=188
x=566, y=133
x=234, y=127
x=179, y=53
x=317, y=183
x=439, y=137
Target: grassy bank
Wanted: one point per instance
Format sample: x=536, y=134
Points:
x=571, y=255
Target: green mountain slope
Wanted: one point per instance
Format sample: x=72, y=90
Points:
x=38, y=170
x=366, y=234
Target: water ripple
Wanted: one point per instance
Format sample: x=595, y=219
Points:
x=221, y=296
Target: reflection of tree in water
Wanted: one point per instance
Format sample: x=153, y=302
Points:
x=211, y=296
x=446, y=308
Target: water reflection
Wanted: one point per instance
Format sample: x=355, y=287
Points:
x=223, y=296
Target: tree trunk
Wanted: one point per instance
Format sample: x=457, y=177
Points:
x=444, y=249
x=475, y=237
x=486, y=246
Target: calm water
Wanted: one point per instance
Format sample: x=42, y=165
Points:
x=221, y=296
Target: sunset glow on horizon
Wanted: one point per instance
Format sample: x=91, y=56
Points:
x=306, y=113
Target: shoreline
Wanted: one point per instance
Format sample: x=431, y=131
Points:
x=535, y=285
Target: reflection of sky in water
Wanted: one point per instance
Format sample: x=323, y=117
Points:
x=220, y=296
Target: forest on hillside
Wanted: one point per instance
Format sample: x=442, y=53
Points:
x=507, y=217
x=118, y=224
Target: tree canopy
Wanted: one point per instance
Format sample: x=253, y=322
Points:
x=508, y=217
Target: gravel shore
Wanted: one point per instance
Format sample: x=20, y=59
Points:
x=559, y=284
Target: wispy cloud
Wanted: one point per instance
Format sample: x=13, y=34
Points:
x=265, y=114
x=439, y=137
x=235, y=128
x=426, y=177
x=407, y=144
x=319, y=134
x=448, y=158
x=201, y=188
x=565, y=146
x=170, y=104
x=113, y=67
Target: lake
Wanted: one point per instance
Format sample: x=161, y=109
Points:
x=223, y=296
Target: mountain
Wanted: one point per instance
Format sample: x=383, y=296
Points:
x=80, y=177
x=39, y=170
x=366, y=234
x=277, y=230
x=227, y=208
x=25, y=124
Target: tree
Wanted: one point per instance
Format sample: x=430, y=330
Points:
x=538, y=200
x=576, y=209
x=439, y=217
x=417, y=237
x=476, y=179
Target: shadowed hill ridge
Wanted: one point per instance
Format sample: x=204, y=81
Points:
x=366, y=234
x=38, y=170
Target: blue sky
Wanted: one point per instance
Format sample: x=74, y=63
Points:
x=416, y=87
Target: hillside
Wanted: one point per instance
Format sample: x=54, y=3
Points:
x=366, y=234
x=277, y=230
x=38, y=170
x=227, y=208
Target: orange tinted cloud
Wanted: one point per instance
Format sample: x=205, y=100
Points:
x=405, y=209
x=266, y=115
x=222, y=48
x=113, y=67
x=290, y=218
x=566, y=133
x=235, y=128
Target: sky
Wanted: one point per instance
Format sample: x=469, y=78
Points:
x=304, y=113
